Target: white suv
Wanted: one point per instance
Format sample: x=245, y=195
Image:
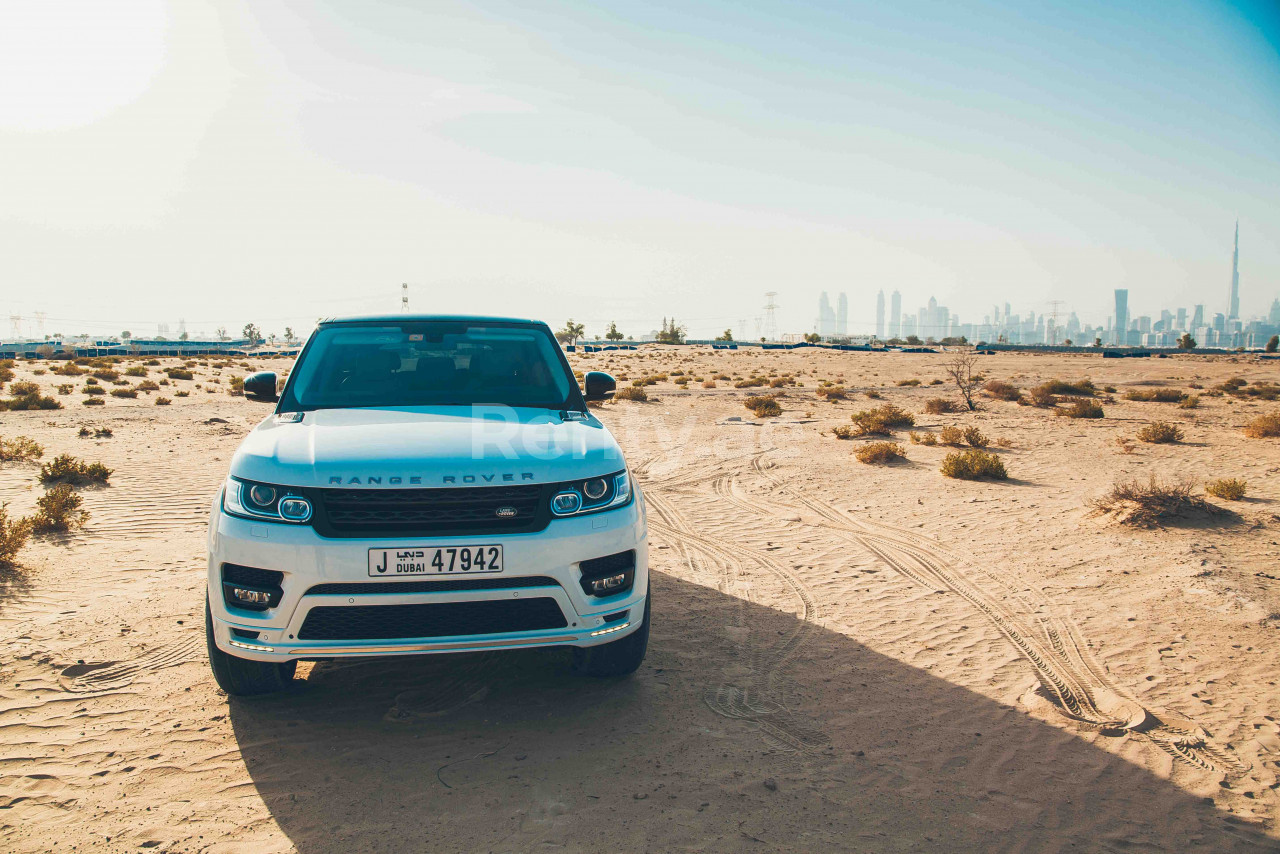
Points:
x=426, y=485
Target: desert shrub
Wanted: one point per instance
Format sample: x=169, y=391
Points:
x=766, y=408
x=1082, y=409
x=1191, y=401
x=136, y=371
x=754, y=382
x=29, y=402
x=778, y=382
x=910, y=382
x=1079, y=388
x=23, y=389
x=833, y=392
x=237, y=387
x=709, y=384
x=91, y=381
x=724, y=377
x=632, y=393
x=843, y=431
x=65, y=468
x=1227, y=488
x=65, y=388
x=94, y=389
x=179, y=374
x=93, y=401
x=1160, y=433
x=1156, y=395
x=14, y=533
x=1264, y=426
x=59, y=510
x=1040, y=397
x=20, y=450
x=875, y=395
x=107, y=374
x=1147, y=505
x=975, y=437
x=923, y=439
x=147, y=386
x=935, y=382
x=880, y=453
x=883, y=419
x=68, y=369
x=1002, y=391
x=124, y=392
x=188, y=394
x=941, y=406
x=973, y=465
x=951, y=435
x=153, y=363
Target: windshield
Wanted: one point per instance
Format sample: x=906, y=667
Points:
x=426, y=364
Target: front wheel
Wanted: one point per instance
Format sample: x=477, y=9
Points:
x=619, y=657
x=242, y=677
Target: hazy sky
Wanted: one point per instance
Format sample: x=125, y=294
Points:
x=618, y=160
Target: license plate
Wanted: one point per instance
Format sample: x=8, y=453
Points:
x=445, y=560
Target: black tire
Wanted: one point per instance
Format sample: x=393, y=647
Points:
x=619, y=658
x=242, y=677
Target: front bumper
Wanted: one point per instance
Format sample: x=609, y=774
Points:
x=307, y=560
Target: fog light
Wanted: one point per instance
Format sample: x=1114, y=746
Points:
x=251, y=597
x=611, y=582
x=295, y=509
x=566, y=503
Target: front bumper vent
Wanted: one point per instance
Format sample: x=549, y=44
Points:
x=432, y=620
x=250, y=588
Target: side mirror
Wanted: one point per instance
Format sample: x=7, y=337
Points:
x=598, y=385
x=261, y=386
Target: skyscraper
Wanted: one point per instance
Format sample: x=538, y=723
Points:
x=1197, y=318
x=1233, y=304
x=826, y=317
x=895, y=315
x=842, y=314
x=1122, y=316
x=880, y=314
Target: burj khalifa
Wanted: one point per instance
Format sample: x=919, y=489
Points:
x=1233, y=305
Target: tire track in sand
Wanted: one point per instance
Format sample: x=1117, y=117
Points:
x=1070, y=682
x=114, y=675
x=753, y=702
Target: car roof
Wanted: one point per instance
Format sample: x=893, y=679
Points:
x=428, y=318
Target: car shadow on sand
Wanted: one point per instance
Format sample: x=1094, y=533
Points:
x=745, y=730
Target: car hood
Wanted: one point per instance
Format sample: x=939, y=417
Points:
x=426, y=446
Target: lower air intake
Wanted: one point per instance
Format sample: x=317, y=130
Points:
x=432, y=620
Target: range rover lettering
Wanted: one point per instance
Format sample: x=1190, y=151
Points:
x=425, y=485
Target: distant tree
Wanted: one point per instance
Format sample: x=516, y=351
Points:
x=1273, y=343
x=727, y=335
x=671, y=332
x=1067, y=342
x=763, y=339
x=221, y=333
x=272, y=339
x=955, y=342
x=45, y=351
x=1097, y=342
x=613, y=334
x=813, y=338
x=126, y=335
x=914, y=340
x=252, y=333
x=184, y=336
x=571, y=332
x=288, y=334
x=1186, y=342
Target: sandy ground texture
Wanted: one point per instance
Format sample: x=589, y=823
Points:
x=845, y=657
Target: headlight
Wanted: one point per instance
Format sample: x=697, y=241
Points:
x=264, y=501
x=591, y=495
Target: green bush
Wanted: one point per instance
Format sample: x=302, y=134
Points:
x=880, y=453
x=22, y=449
x=1082, y=409
x=1160, y=433
x=65, y=468
x=882, y=420
x=1227, y=488
x=29, y=402
x=1264, y=426
x=975, y=437
x=59, y=510
x=1156, y=395
x=1002, y=391
x=14, y=534
x=973, y=465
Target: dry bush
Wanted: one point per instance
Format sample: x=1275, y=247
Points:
x=951, y=435
x=147, y=386
x=29, y=402
x=833, y=392
x=68, y=369
x=1038, y=396
x=941, y=406
x=93, y=401
x=967, y=379
x=1156, y=395
x=709, y=384
x=124, y=392
x=1191, y=401
x=754, y=382
x=910, y=382
x=14, y=533
x=1160, y=433
x=843, y=432
x=778, y=382
x=1004, y=442
x=880, y=453
x=163, y=401
x=1227, y=488
x=20, y=450
x=766, y=407
x=188, y=394
x=136, y=371
x=973, y=465
x=882, y=420
x=1079, y=388
x=65, y=468
x=875, y=395
x=65, y=388
x=179, y=374
x=23, y=389
x=1264, y=426
x=1002, y=391
x=107, y=374
x=59, y=510
x=237, y=387
x=1082, y=409
x=636, y=393
x=93, y=389
x=1147, y=505
x=975, y=437
x=924, y=439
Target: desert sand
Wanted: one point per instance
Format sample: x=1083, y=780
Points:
x=845, y=657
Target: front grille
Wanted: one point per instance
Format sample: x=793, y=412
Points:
x=449, y=586
x=434, y=620
x=432, y=512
